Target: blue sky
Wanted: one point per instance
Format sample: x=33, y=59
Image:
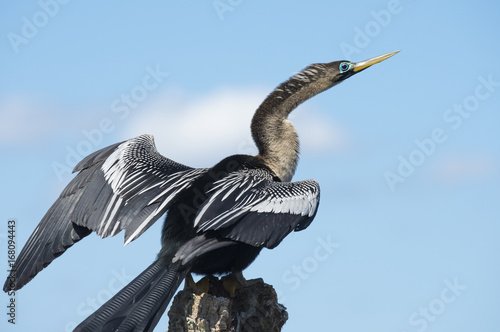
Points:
x=407, y=153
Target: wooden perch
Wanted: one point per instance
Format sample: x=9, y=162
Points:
x=253, y=308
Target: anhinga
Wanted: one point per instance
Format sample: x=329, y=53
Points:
x=218, y=219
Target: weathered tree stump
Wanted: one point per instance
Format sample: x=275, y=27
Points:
x=253, y=308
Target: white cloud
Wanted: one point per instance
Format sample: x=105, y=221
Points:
x=200, y=131
x=317, y=133
x=203, y=129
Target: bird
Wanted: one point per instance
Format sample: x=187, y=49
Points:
x=218, y=219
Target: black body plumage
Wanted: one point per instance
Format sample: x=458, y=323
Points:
x=218, y=219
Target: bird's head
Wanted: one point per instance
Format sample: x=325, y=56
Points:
x=326, y=75
x=307, y=83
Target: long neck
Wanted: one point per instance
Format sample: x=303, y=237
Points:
x=274, y=135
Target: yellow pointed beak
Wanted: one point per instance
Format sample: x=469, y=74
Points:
x=358, y=66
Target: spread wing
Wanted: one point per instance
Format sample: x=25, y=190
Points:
x=126, y=186
x=249, y=206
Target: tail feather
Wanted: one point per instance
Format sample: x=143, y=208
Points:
x=140, y=304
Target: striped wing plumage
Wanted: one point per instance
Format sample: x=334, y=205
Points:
x=249, y=206
x=126, y=186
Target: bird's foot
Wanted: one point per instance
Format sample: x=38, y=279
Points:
x=232, y=282
x=202, y=285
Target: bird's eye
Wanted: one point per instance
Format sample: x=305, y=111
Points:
x=344, y=66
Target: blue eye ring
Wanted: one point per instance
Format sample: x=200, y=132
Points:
x=344, y=66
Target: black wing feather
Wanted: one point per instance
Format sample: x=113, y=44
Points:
x=249, y=206
x=264, y=229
